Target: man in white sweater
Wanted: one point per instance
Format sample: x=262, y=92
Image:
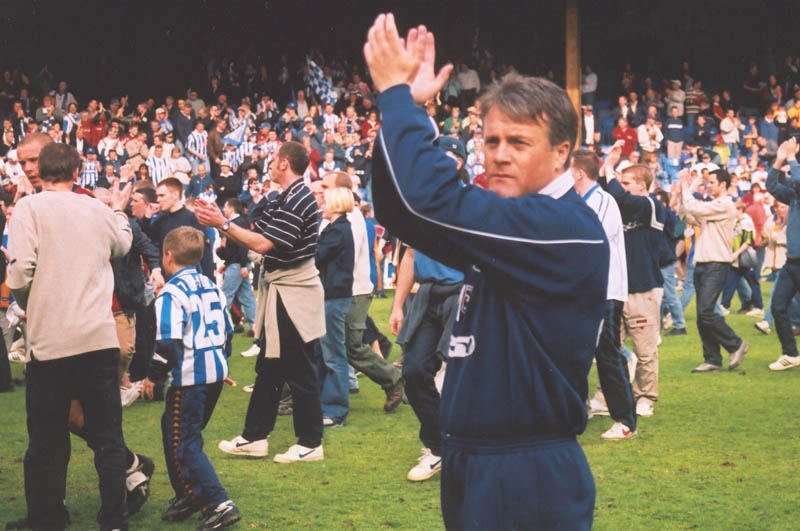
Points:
x=59, y=271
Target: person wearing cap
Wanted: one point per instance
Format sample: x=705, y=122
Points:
x=676, y=97
x=529, y=312
x=90, y=170
x=228, y=184
x=289, y=121
x=649, y=136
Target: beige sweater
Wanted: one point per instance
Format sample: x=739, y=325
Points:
x=716, y=219
x=59, y=245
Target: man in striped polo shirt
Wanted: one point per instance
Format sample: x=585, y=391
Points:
x=289, y=316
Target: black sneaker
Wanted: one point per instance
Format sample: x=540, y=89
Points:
x=181, y=508
x=677, y=332
x=138, y=483
x=223, y=515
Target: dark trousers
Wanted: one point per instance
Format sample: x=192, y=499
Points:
x=709, y=279
x=421, y=362
x=187, y=412
x=735, y=275
x=786, y=287
x=91, y=378
x=296, y=366
x=517, y=486
x=5, y=367
x=145, y=342
x=612, y=369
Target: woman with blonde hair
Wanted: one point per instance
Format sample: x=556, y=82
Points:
x=335, y=257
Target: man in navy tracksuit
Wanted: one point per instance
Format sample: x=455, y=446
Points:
x=535, y=263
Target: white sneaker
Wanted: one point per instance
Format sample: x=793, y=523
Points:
x=251, y=352
x=598, y=408
x=248, y=388
x=429, y=465
x=16, y=356
x=644, y=409
x=763, y=327
x=298, y=452
x=241, y=446
x=785, y=362
x=756, y=312
x=725, y=311
x=618, y=432
x=128, y=395
x=666, y=322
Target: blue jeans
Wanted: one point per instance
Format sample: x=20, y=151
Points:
x=670, y=303
x=335, y=394
x=786, y=287
x=688, y=290
x=736, y=275
x=234, y=285
x=187, y=412
x=714, y=332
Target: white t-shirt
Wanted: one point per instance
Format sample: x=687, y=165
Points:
x=607, y=210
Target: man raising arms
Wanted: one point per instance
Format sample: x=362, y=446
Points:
x=531, y=306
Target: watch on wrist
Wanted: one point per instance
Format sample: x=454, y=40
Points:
x=226, y=226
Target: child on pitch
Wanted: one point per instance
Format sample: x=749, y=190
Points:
x=193, y=343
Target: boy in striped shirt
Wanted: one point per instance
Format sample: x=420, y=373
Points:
x=193, y=341
x=197, y=146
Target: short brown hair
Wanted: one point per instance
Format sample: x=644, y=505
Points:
x=296, y=154
x=343, y=180
x=173, y=184
x=535, y=99
x=186, y=245
x=36, y=138
x=58, y=162
x=587, y=161
x=641, y=174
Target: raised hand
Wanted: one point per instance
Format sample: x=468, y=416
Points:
x=427, y=83
x=390, y=60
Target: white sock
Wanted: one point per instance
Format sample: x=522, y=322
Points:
x=134, y=465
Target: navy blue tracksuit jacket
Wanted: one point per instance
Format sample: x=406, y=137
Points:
x=529, y=316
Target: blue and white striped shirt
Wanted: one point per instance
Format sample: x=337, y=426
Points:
x=191, y=308
x=198, y=141
x=159, y=168
x=89, y=173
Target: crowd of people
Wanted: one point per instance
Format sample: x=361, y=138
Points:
x=257, y=198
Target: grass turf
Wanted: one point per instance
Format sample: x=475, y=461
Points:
x=719, y=453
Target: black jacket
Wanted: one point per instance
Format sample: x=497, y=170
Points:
x=128, y=275
x=232, y=252
x=335, y=259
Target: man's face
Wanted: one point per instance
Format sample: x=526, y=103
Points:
x=167, y=198
x=138, y=205
x=631, y=185
x=715, y=188
x=62, y=87
x=674, y=112
x=28, y=156
x=201, y=170
x=623, y=101
x=227, y=211
x=159, y=150
x=519, y=157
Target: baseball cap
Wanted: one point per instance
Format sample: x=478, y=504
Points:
x=291, y=106
x=263, y=125
x=225, y=163
x=91, y=151
x=451, y=144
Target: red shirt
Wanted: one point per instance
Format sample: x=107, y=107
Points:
x=629, y=136
x=759, y=217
